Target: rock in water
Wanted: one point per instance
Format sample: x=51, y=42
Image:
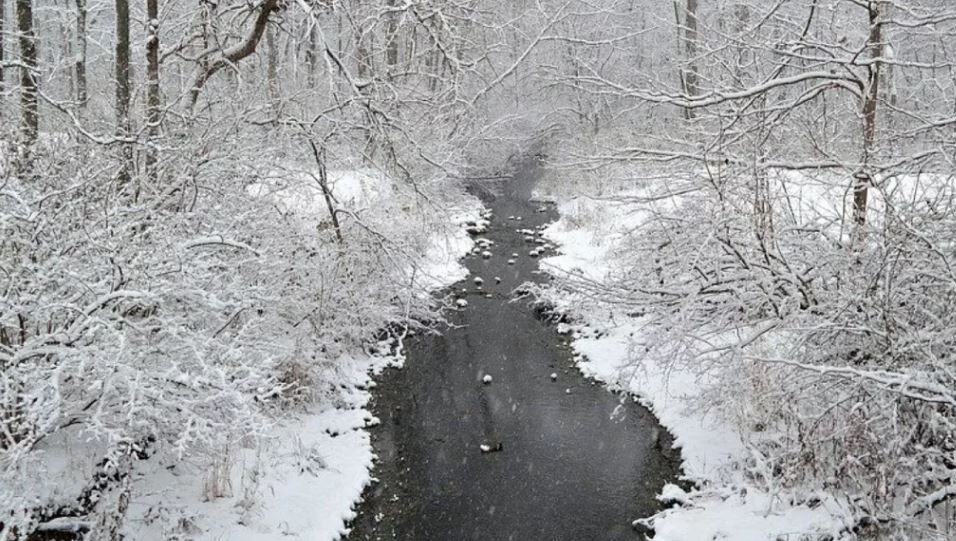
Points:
x=491, y=448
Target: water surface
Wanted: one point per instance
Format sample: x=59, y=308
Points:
x=576, y=461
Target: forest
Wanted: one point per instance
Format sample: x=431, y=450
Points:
x=220, y=220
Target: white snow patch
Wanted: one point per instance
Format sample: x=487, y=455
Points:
x=441, y=265
x=298, y=192
x=304, y=480
x=745, y=516
x=710, y=447
x=672, y=493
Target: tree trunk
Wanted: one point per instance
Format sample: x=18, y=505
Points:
x=865, y=177
x=391, y=37
x=232, y=54
x=363, y=56
x=152, y=87
x=272, y=70
x=63, y=30
x=690, y=46
x=681, y=72
x=364, y=46
x=123, y=87
x=312, y=54
x=80, y=62
x=742, y=20
x=29, y=110
x=323, y=178
x=3, y=19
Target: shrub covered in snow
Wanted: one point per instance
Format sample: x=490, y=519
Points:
x=827, y=346
x=178, y=322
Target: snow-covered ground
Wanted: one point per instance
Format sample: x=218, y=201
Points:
x=360, y=194
x=609, y=348
x=304, y=479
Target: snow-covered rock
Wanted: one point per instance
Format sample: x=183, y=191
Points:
x=672, y=493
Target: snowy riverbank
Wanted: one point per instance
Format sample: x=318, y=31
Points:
x=609, y=344
x=305, y=476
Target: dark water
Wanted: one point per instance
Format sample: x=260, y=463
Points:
x=568, y=469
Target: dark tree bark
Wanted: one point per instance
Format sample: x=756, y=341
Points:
x=272, y=68
x=63, y=30
x=3, y=20
x=153, y=103
x=690, y=44
x=363, y=56
x=681, y=52
x=123, y=87
x=235, y=53
x=312, y=55
x=391, y=37
x=865, y=177
x=29, y=110
x=80, y=63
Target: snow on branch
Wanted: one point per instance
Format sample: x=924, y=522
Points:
x=217, y=240
x=907, y=385
x=234, y=53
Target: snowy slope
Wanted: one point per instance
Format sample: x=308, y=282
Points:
x=609, y=346
x=304, y=479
